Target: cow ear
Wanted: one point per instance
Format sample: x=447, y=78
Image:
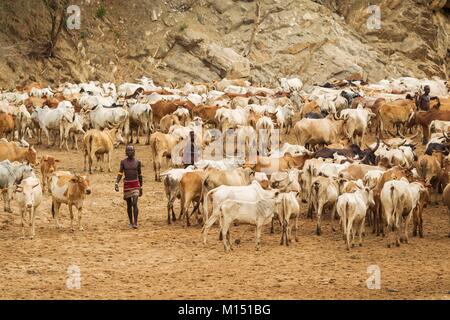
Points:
x=57, y=160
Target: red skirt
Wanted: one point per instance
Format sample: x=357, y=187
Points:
x=131, y=188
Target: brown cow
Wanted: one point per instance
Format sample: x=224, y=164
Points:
x=161, y=145
x=191, y=192
x=71, y=189
x=446, y=199
x=395, y=113
x=270, y=165
x=7, y=125
x=429, y=169
x=98, y=143
x=424, y=118
x=207, y=113
x=309, y=106
x=12, y=152
x=161, y=108
x=48, y=166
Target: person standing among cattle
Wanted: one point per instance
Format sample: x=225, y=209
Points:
x=130, y=168
x=190, y=154
x=423, y=102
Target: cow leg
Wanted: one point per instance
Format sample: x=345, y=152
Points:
x=258, y=236
x=225, y=228
x=169, y=207
x=361, y=231
x=333, y=216
x=8, y=199
x=80, y=214
x=272, y=229
x=71, y=217
x=55, y=211
x=33, y=216
x=109, y=161
x=408, y=218
x=319, y=218
x=415, y=222
x=138, y=132
x=22, y=217
x=154, y=168
x=296, y=226
x=5, y=202
x=420, y=222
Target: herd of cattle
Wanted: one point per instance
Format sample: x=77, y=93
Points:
x=332, y=168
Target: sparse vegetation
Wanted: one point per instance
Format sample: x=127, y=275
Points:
x=183, y=27
x=101, y=11
x=84, y=34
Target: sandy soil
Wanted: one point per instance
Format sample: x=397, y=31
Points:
x=158, y=261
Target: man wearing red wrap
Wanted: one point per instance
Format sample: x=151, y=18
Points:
x=130, y=168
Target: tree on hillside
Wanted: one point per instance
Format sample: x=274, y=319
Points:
x=58, y=15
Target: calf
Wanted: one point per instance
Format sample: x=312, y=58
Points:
x=29, y=197
x=70, y=189
x=48, y=166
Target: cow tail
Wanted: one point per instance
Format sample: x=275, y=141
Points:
x=150, y=119
x=394, y=203
x=345, y=217
x=89, y=145
x=204, y=197
x=53, y=209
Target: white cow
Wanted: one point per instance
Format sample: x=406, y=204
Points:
x=289, y=208
x=352, y=208
x=259, y=213
x=292, y=84
x=29, y=196
x=101, y=118
x=357, y=121
x=252, y=192
x=324, y=193
x=140, y=115
x=397, y=202
x=55, y=119
x=439, y=126
x=284, y=117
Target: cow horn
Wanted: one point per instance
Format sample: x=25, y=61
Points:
x=376, y=147
x=446, y=137
x=335, y=118
x=402, y=143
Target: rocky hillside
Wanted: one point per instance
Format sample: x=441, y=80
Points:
x=204, y=40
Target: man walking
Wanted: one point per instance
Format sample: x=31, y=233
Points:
x=130, y=168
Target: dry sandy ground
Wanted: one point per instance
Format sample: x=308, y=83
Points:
x=159, y=261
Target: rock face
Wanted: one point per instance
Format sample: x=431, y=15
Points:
x=204, y=40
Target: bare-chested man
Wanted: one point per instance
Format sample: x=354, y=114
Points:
x=130, y=168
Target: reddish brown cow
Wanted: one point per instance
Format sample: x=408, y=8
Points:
x=207, y=113
x=7, y=127
x=161, y=108
x=48, y=166
x=424, y=118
